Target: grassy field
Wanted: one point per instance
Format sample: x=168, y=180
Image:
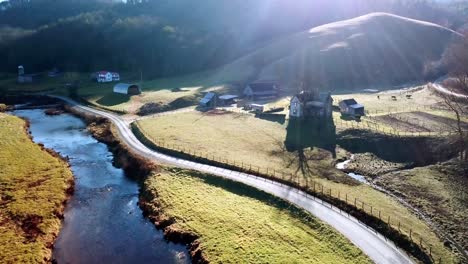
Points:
x=421, y=97
x=33, y=186
x=238, y=224
x=249, y=140
x=439, y=191
x=169, y=93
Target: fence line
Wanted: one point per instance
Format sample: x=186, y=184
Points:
x=368, y=124
x=311, y=186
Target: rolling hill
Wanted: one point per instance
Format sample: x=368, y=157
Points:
x=374, y=49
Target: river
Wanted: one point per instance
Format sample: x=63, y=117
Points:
x=103, y=222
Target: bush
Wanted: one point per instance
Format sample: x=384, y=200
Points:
x=151, y=108
x=3, y=108
x=185, y=101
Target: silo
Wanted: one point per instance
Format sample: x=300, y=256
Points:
x=20, y=70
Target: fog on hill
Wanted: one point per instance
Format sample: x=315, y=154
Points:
x=163, y=38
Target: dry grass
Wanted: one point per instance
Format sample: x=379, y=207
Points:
x=421, y=97
x=249, y=140
x=439, y=191
x=238, y=224
x=33, y=186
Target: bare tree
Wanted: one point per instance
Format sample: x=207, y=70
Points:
x=456, y=59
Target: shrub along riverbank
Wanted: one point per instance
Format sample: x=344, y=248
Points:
x=34, y=186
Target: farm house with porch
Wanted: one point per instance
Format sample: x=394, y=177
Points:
x=261, y=89
x=308, y=104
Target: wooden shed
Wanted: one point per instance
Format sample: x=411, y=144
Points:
x=351, y=108
x=126, y=88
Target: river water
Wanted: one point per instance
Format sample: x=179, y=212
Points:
x=342, y=166
x=103, y=223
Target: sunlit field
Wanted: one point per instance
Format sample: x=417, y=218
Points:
x=246, y=140
x=238, y=224
x=33, y=186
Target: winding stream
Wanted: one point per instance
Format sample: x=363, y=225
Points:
x=103, y=223
x=342, y=166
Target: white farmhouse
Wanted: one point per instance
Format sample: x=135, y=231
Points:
x=107, y=76
x=311, y=104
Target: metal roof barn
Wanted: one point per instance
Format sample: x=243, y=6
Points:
x=126, y=88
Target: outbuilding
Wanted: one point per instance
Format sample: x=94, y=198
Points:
x=209, y=100
x=126, y=88
x=227, y=99
x=27, y=78
x=351, y=108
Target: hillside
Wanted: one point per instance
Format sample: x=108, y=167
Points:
x=168, y=38
x=377, y=48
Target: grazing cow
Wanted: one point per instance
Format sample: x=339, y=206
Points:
x=394, y=98
x=408, y=96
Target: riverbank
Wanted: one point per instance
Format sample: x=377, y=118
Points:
x=35, y=185
x=229, y=222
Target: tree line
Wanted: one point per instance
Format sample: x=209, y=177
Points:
x=168, y=37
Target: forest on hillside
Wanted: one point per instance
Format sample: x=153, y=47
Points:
x=170, y=37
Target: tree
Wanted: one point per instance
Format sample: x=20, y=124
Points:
x=456, y=59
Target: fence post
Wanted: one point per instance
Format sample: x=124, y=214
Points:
x=355, y=201
x=410, y=234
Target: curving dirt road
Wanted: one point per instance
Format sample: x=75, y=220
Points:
x=373, y=244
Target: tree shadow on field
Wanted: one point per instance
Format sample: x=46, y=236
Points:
x=112, y=99
x=312, y=140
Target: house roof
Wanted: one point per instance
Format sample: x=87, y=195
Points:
x=207, y=98
x=228, y=97
x=263, y=87
x=349, y=102
x=306, y=96
x=356, y=106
